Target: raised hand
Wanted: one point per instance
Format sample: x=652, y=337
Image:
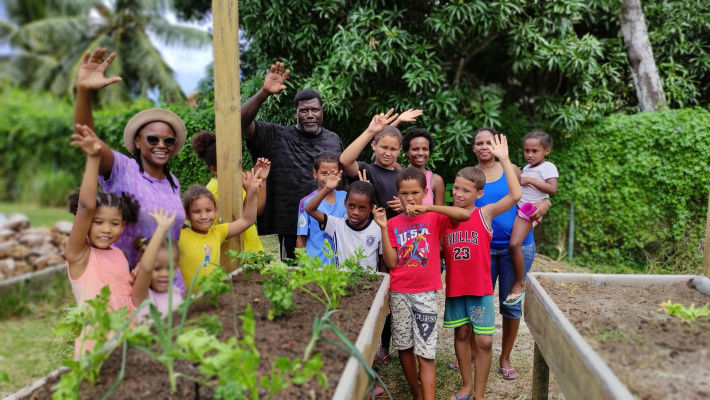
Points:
x=362, y=175
x=163, y=218
x=499, y=146
x=395, y=204
x=380, y=216
x=274, y=82
x=264, y=166
x=85, y=139
x=381, y=120
x=414, y=210
x=410, y=115
x=251, y=181
x=333, y=179
x=92, y=70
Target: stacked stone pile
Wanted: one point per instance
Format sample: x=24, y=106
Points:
x=24, y=249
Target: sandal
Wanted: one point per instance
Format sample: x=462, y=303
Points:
x=455, y=365
x=515, y=300
x=508, y=373
x=384, y=360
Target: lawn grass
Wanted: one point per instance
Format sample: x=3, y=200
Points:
x=30, y=349
x=39, y=216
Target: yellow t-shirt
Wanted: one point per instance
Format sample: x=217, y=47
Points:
x=196, y=248
x=252, y=242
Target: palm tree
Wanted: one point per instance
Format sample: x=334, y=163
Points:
x=53, y=35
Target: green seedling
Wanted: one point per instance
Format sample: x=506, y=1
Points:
x=689, y=315
x=96, y=323
x=330, y=279
x=213, y=285
x=250, y=262
x=277, y=290
x=609, y=334
x=210, y=323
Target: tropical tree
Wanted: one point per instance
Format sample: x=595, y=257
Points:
x=53, y=35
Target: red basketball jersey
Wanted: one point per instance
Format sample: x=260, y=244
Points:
x=468, y=257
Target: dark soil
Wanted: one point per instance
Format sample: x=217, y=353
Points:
x=656, y=355
x=282, y=337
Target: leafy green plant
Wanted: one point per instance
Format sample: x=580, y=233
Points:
x=96, y=323
x=234, y=363
x=250, y=262
x=279, y=293
x=213, y=285
x=330, y=279
x=687, y=314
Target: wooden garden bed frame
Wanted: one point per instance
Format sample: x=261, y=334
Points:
x=578, y=369
x=353, y=383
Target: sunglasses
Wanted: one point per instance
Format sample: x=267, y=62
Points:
x=168, y=141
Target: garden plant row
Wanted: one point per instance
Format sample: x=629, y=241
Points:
x=266, y=332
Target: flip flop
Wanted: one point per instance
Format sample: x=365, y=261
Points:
x=516, y=301
x=455, y=365
x=506, y=373
x=378, y=391
x=461, y=398
x=384, y=360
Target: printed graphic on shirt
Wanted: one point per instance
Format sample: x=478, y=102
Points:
x=208, y=250
x=370, y=240
x=414, y=254
x=426, y=323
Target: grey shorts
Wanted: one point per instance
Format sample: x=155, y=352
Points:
x=414, y=322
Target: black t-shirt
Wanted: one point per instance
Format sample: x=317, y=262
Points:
x=385, y=183
x=291, y=153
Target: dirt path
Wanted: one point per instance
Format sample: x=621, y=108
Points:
x=448, y=380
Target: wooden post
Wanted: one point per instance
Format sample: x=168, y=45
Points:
x=706, y=252
x=541, y=376
x=227, y=109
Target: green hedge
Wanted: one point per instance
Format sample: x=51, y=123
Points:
x=640, y=191
x=34, y=140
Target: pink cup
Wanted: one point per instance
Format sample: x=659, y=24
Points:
x=528, y=209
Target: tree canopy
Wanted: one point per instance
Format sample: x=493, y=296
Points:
x=53, y=35
x=510, y=64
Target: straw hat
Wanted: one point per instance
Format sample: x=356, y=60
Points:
x=153, y=115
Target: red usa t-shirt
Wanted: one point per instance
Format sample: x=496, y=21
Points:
x=416, y=240
x=468, y=257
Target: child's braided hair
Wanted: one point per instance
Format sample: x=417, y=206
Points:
x=125, y=203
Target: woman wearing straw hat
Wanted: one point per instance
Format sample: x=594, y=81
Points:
x=153, y=137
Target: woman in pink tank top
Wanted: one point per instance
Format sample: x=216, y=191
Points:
x=417, y=145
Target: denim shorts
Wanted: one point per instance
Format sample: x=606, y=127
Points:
x=502, y=270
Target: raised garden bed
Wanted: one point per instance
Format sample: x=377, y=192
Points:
x=361, y=318
x=608, y=337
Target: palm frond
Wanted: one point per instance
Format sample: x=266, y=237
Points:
x=177, y=35
x=6, y=30
x=51, y=33
x=154, y=72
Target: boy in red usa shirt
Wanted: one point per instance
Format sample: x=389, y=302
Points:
x=411, y=248
x=469, y=289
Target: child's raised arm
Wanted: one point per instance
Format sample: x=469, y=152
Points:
x=251, y=183
x=389, y=254
x=145, y=268
x=499, y=148
x=332, y=181
x=349, y=157
x=456, y=214
x=77, y=249
x=263, y=165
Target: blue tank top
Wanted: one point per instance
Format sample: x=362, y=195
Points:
x=503, y=224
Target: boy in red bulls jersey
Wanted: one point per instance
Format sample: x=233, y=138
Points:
x=410, y=247
x=469, y=289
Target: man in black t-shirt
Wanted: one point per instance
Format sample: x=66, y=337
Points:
x=291, y=150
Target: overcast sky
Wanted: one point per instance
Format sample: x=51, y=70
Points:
x=189, y=65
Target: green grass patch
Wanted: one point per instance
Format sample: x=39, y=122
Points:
x=39, y=216
x=30, y=350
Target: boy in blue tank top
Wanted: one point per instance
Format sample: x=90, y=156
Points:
x=309, y=233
